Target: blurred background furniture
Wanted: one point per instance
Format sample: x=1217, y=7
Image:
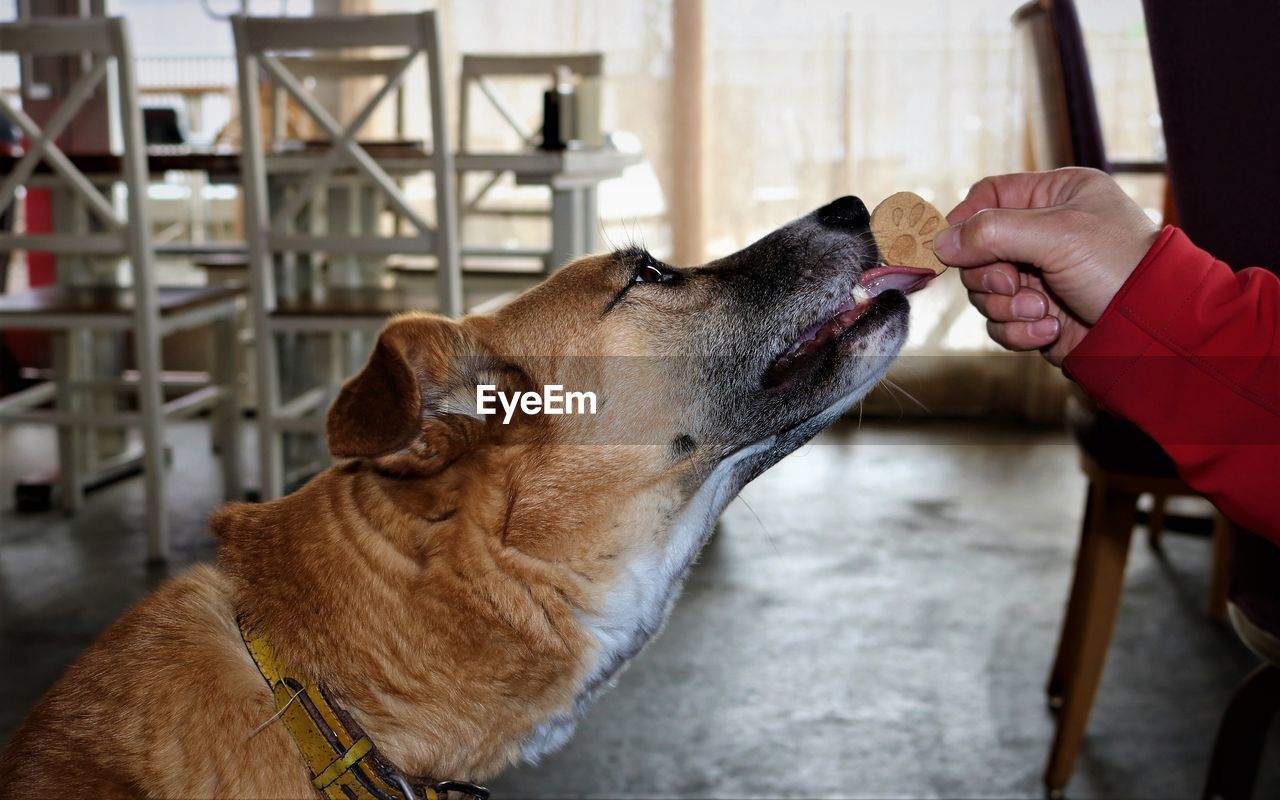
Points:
x=1121, y=462
x=9, y=142
x=573, y=174
x=88, y=300
x=1217, y=104
x=292, y=216
x=1248, y=717
x=1228, y=205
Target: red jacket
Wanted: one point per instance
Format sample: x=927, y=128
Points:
x=1190, y=352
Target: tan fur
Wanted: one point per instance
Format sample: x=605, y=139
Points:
x=460, y=586
x=386, y=585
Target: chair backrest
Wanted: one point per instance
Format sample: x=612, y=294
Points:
x=1064, y=123
x=336, y=69
x=261, y=45
x=103, y=44
x=1215, y=70
x=477, y=69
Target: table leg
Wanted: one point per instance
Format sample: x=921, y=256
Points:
x=566, y=226
x=66, y=368
x=591, y=219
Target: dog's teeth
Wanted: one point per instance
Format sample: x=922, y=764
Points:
x=860, y=294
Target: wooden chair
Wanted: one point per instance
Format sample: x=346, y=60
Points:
x=281, y=304
x=478, y=70
x=1220, y=119
x=84, y=304
x=1255, y=614
x=1122, y=463
x=336, y=70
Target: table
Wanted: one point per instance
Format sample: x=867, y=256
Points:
x=574, y=177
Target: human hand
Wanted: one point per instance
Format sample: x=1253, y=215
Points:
x=1042, y=254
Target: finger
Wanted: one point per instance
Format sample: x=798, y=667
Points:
x=998, y=191
x=1019, y=190
x=1025, y=335
x=999, y=278
x=1029, y=236
x=1027, y=305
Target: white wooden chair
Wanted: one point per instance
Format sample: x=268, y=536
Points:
x=478, y=69
x=297, y=183
x=82, y=303
x=337, y=69
x=479, y=72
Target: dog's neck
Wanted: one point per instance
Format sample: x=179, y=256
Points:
x=428, y=607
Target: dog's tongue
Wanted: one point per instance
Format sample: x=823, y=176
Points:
x=904, y=279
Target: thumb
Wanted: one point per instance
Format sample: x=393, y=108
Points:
x=1027, y=236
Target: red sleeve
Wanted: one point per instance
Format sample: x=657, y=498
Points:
x=1190, y=352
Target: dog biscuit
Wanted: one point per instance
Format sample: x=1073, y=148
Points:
x=904, y=226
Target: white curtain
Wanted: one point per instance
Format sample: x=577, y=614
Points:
x=807, y=101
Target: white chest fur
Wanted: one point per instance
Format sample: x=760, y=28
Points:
x=644, y=597
x=648, y=590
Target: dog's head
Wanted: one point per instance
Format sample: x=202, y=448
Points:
x=694, y=364
x=703, y=377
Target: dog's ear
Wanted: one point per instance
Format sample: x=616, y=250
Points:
x=416, y=377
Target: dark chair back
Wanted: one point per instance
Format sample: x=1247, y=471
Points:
x=1065, y=121
x=1077, y=81
x=1216, y=70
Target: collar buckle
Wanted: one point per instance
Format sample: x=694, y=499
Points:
x=441, y=789
x=471, y=790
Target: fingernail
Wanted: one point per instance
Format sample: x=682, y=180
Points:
x=1044, y=328
x=947, y=243
x=998, y=283
x=1028, y=306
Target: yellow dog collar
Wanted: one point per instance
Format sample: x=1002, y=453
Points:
x=343, y=761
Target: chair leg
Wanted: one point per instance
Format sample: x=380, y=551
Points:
x=70, y=438
x=1155, y=520
x=1104, y=549
x=1069, y=638
x=1217, y=611
x=270, y=440
x=151, y=399
x=226, y=428
x=1242, y=734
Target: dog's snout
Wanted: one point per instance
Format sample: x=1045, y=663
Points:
x=847, y=212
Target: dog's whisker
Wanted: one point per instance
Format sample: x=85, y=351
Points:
x=890, y=390
x=909, y=395
x=604, y=234
x=763, y=528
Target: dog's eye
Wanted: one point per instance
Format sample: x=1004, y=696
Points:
x=649, y=271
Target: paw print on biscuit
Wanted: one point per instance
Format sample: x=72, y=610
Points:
x=904, y=227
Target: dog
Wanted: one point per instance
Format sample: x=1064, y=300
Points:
x=453, y=594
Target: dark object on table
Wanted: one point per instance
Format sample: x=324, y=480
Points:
x=161, y=126
x=557, y=115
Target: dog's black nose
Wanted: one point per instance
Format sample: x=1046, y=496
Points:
x=847, y=212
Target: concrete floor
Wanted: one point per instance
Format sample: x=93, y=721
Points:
x=875, y=619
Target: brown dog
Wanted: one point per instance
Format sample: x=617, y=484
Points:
x=462, y=585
